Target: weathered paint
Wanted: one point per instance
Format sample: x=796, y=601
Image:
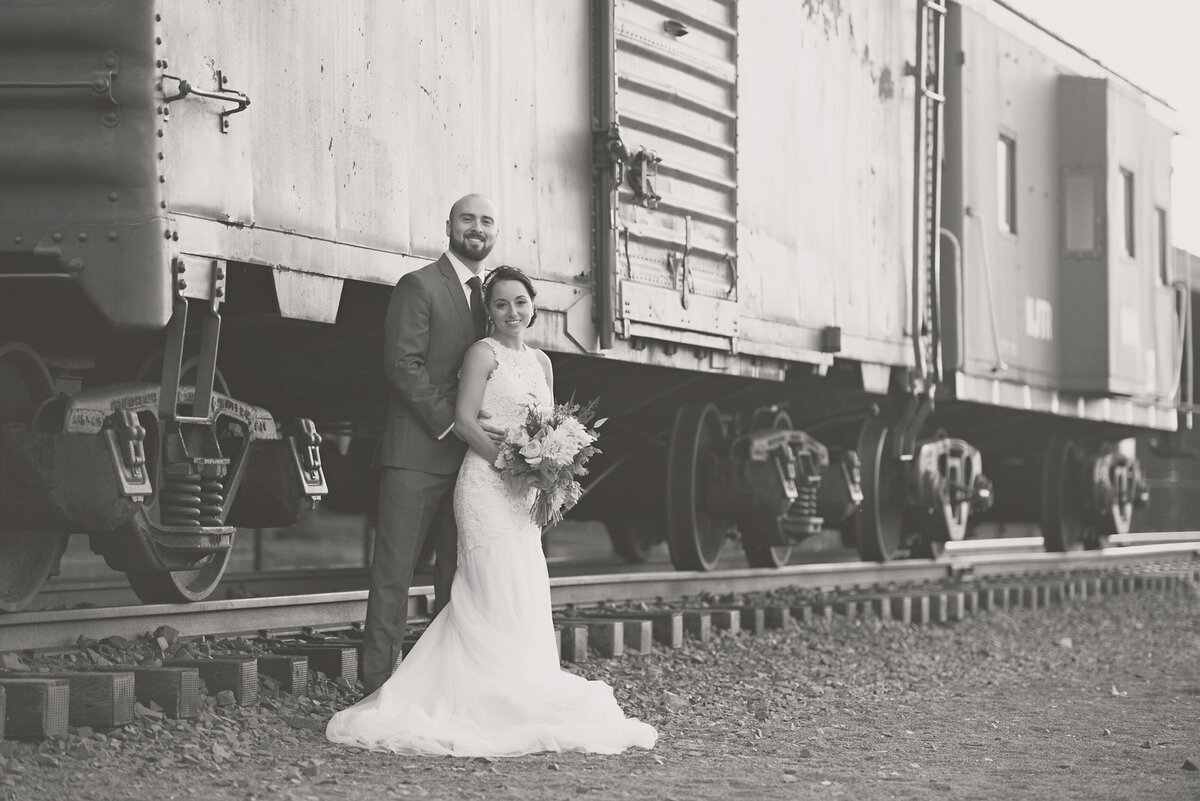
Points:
x=367, y=120
x=1030, y=312
x=825, y=196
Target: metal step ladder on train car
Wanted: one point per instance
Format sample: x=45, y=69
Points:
x=920, y=490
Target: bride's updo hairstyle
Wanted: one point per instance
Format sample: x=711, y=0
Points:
x=506, y=272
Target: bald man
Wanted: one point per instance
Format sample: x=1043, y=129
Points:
x=435, y=314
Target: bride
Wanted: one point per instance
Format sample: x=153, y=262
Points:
x=484, y=679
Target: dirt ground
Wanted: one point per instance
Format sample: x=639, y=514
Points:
x=1095, y=699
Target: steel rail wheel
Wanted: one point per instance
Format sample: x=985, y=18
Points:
x=879, y=522
x=695, y=535
x=1065, y=523
x=27, y=558
x=760, y=554
x=180, y=586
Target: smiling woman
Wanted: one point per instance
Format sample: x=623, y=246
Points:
x=508, y=296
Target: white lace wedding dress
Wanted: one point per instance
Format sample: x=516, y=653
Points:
x=484, y=679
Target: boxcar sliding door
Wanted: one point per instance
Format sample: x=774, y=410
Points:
x=666, y=113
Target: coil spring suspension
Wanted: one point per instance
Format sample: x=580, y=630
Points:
x=188, y=499
x=805, y=504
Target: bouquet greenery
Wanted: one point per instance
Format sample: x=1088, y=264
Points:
x=548, y=451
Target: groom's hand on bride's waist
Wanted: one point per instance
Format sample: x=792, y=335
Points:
x=495, y=432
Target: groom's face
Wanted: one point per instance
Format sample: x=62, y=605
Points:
x=472, y=228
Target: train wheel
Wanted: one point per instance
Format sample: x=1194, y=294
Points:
x=1064, y=525
x=195, y=583
x=632, y=540
x=760, y=554
x=697, y=443
x=879, y=522
x=27, y=558
x=180, y=586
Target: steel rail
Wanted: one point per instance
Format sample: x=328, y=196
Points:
x=340, y=610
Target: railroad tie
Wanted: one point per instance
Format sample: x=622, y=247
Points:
x=334, y=659
x=289, y=670
x=666, y=626
x=100, y=699
x=573, y=641
x=605, y=636
x=239, y=675
x=35, y=708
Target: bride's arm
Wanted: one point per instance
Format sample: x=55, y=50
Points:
x=477, y=366
x=547, y=368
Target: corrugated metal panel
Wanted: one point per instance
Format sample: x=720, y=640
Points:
x=676, y=101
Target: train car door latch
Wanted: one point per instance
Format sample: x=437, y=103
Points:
x=222, y=93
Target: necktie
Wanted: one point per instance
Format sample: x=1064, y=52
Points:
x=477, y=306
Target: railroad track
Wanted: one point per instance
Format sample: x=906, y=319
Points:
x=333, y=611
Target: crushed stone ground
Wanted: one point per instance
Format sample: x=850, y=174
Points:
x=1093, y=699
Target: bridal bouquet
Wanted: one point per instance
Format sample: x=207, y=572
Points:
x=547, y=452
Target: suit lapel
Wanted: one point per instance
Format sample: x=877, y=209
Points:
x=458, y=297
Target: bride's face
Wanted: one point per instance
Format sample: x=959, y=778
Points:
x=510, y=307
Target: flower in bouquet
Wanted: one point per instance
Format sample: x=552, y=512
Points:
x=547, y=452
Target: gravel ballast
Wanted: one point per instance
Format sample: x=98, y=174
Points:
x=1095, y=698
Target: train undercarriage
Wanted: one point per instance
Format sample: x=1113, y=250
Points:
x=157, y=470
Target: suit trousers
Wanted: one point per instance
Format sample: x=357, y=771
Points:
x=413, y=505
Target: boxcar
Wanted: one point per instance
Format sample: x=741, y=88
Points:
x=820, y=263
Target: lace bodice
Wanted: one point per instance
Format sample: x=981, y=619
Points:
x=484, y=506
x=517, y=381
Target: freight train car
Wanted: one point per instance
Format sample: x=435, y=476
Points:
x=821, y=263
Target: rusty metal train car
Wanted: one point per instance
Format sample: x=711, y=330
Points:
x=876, y=266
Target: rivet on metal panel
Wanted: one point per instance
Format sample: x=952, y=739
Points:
x=182, y=284
x=162, y=204
x=82, y=237
x=113, y=196
x=160, y=156
x=166, y=234
x=18, y=239
x=110, y=59
x=162, y=179
x=159, y=63
x=160, y=133
x=112, y=236
x=219, y=292
x=158, y=17
x=180, y=267
x=220, y=272
x=174, y=236
x=57, y=237
x=158, y=40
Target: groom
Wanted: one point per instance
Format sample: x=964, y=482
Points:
x=434, y=315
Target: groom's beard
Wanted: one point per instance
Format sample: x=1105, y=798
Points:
x=470, y=248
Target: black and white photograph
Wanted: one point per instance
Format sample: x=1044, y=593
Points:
x=661, y=400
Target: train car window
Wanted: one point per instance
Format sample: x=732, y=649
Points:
x=1006, y=183
x=1079, y=190
x=1127, y=199
x=1161, y=242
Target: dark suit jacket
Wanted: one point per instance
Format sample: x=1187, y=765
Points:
x=427, y=330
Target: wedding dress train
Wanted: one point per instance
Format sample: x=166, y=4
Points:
x=484, y=679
